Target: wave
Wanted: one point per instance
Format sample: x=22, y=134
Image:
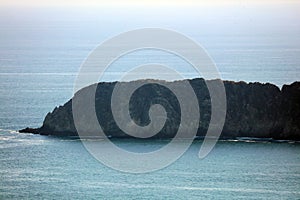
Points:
x=165, y=187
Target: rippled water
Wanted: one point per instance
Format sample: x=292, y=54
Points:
x=34, y=166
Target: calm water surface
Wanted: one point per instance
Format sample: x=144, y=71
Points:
x=44, y=167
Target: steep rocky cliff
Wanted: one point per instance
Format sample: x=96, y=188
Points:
x=253, y=110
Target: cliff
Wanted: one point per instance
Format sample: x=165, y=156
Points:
x=253, y=110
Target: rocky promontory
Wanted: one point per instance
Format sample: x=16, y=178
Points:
x=253, y=110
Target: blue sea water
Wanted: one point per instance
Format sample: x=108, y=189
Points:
x=41, y=167
x=39, y=63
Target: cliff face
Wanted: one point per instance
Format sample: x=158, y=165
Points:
x=253, y=110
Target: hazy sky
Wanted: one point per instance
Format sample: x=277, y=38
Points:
x=215, y=16
x=138, y=2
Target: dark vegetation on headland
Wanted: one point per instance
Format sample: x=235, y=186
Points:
x=253, y=110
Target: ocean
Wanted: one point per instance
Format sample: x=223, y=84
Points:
x=38, y=66
x=43, y=167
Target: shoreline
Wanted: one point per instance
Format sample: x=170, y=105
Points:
x=197, y=138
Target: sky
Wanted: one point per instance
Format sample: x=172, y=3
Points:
x=138, y=2
x=194, y=18
x=227, y=17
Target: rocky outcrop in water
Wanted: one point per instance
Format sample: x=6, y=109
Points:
x=253, y=110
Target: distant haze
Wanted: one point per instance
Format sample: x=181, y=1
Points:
x=248, y=40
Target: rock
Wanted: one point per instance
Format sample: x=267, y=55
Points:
x=290, y=112
x=29, y=130
x=253, y=110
